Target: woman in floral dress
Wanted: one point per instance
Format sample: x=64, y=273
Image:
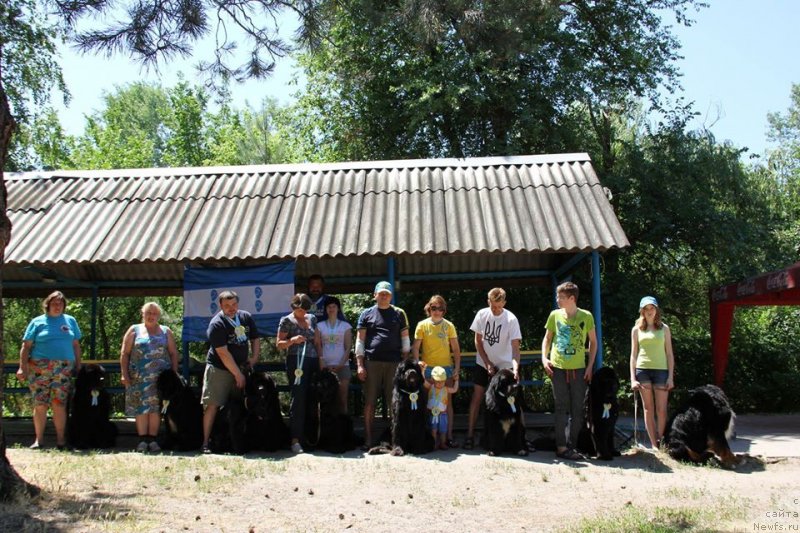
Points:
x=147, y=350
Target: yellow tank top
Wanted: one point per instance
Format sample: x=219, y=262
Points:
x=652, y=352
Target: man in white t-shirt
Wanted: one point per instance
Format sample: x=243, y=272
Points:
x=497, y=339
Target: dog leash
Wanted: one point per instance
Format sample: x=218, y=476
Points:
x=636, y=419
x=591, y=420
x=298, y=372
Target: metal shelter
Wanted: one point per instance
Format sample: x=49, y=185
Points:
x=448, y=222
x=781, y=287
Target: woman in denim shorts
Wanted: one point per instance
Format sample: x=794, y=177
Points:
x=652, y=366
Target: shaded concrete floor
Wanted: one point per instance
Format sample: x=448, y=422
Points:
x=756, y=434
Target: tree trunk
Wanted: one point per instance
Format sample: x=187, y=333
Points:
x=12, y=486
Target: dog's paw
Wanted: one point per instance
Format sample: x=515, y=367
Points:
x=397, y=451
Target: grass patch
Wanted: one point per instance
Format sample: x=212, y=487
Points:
x=662, y=519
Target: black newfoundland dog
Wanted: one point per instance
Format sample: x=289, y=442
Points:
x=252, y=422
x=181, y=412
x=334, y=432
x=601, y=410
x=410, y=431
x=504, y=429
x=89, y=426
x=265, y=429
x=701, y=427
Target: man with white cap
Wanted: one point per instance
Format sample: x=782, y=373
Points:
x=382, y=341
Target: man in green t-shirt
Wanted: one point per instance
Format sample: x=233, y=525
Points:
x=564, y=359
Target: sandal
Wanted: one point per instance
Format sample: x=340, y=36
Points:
x=451, y=443
x=469, y=443
x=570, y=455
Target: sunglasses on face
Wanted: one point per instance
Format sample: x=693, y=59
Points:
x=436, y=308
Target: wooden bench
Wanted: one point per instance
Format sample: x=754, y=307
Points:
x=528, y=361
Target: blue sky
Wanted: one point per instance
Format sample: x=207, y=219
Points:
x=740, y=60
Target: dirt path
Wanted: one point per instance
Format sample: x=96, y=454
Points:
x=446, y=491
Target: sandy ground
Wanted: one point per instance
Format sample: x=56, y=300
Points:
x=454, y=490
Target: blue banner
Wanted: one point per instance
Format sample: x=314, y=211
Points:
x=264, y=291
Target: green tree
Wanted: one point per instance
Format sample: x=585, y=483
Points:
x=152, y=32
x=781, y=175
x=186, y=143
x=146, y=125
x=41, y=144
x=265, y=141
x=696, y=217
x=126, y=132
x=459, y=78
x=28, y=72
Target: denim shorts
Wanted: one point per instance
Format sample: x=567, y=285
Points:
x=657, y=377
x=440, y=423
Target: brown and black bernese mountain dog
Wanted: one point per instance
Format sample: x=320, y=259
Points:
x=700, y=429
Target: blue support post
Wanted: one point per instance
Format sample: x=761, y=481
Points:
x=597, y=308
x=93, y=338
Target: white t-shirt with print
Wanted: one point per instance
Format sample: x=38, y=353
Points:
x=497, y=332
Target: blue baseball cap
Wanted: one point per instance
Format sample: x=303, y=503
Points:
x=648, y=300
x=383, y=286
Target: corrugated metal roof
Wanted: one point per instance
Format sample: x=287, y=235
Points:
x=445, y=212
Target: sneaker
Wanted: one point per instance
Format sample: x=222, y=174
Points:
x=141, y=447
x=296, y=448
x=570, y=455
x=206, y=450
x=35, y=446
x=154, y=447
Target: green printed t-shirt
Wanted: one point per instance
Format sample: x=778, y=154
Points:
x=568, y=349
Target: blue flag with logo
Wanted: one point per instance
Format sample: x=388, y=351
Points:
x=264, y=291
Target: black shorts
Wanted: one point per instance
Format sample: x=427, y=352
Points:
x=480, y=376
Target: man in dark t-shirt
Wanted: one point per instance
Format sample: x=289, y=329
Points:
x=316, y=291
x=382, y=342
x=234, y=343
